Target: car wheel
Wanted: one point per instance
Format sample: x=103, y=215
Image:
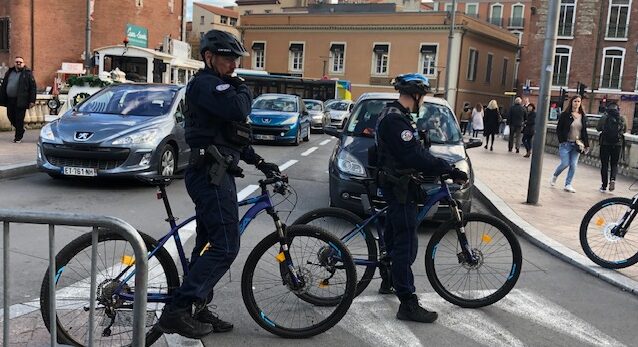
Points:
x=307, y=138
x=297, y=137
x=167, y=161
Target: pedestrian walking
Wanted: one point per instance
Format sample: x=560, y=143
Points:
x=528, y=129
x=516, y=119
x=477, y=119
x=492, y=121
x=466, y=117
x=17, y=93
x=572, y=137
x=612, y=140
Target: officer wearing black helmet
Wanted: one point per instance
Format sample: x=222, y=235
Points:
x=400, y=155
x=216, y=109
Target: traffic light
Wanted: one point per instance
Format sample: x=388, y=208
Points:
x=563, y=94
x=581, y=89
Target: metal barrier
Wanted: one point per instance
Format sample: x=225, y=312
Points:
x=70, y=219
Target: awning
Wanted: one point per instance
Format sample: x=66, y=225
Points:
x=428, y=49
x=381, y=48
x=258, y=46
x=337, y=47
x=296, y=47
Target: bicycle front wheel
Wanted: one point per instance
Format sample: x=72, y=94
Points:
x=597, y=237
x=484, y=280
x=73, y=290
x=324, y=268
x=362, y=244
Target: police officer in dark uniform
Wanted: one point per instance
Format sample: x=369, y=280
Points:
x=217, y=106
x=400, y=155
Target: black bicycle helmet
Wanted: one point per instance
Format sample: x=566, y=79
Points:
x=222, y=43
x=412, y=83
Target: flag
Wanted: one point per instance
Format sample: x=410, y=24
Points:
x=91, y=8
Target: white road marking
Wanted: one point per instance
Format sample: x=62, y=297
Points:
x=287, y=164
x=310, y=150
x=325, y=142
x=244, y=193
x=546, y=313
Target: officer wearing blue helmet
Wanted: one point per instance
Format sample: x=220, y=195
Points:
x=401, y=156
x=217, y=106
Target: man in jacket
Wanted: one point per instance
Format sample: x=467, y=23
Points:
x=17, y=93
x=515, y=120
x=611, y=143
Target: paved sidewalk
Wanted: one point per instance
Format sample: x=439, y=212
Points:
x=18, y=158
x=502, y=180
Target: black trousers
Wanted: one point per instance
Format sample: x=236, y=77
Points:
x=527, y=141
x=609, y=156
x=16, y=117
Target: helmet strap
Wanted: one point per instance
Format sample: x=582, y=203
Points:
x=416, y=106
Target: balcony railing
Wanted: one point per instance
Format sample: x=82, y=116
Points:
x=516, y=22
x=496, y=20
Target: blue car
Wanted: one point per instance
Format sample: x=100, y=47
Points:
x=280, y=118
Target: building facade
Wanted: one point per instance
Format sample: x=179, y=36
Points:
x=52, y=32
x=208, y=17
x=369, y=49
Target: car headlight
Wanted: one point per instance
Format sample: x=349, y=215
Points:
x=46, y=133
x=291, y=120
x=146, y=136
x=350, y=165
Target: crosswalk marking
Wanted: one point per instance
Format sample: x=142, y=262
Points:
x=326, y=141
x=310, y=150
x=287, y=164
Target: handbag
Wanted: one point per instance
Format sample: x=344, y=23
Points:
x=581, y=146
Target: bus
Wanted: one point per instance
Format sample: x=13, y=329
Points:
x=262, y=82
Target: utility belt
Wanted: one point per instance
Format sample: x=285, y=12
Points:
x=216, y=164
x=407, y=186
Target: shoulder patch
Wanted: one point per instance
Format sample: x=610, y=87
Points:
x=406, y=135
x=222, y=87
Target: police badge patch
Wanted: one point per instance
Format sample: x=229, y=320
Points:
x=222, y=87
x=406, y=135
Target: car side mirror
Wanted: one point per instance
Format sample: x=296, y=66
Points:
x=332, y=131
x=473, y=142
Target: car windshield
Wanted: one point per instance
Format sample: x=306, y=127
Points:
x=130, y=101
x=436, y=120
x=338, y=106
x=313, y=105
x=275, y=103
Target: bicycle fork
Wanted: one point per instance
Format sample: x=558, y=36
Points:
x=466, y=255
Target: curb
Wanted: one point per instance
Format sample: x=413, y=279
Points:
x=7, y=171
x=498, y=207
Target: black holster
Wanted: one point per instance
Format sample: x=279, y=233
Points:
x=216, y=164
x=405, y=187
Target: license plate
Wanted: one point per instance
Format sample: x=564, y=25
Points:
x=264, y=137
x=79, y=171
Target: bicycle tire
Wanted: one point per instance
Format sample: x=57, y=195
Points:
x=595, y=218
x=249, y=288
x=484, y=296
x=82, y=244
x=315, y=217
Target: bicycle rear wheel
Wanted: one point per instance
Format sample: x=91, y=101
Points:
x=362, y=245
x=597, y=238
x=73, y=281
x=478, y=284
x=323, y=265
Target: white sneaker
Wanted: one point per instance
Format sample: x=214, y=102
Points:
x=570, y=189
x=553, y=180
x=602, y=190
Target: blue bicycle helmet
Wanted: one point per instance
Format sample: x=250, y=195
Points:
x=411, y=83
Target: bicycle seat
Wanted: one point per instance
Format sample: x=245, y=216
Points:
x=158, y=180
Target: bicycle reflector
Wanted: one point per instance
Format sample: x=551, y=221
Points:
x=128, y=260
x=486, y=238
x=280, y=257
x=600, y=221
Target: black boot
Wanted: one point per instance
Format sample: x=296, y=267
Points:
x=410, y=309
x=206, y=316
x=180, y=320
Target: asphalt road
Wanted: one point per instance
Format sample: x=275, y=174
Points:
x=553, y=303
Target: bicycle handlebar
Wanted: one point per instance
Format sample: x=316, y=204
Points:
x=280, y=182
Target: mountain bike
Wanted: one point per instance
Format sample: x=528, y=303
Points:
x=285, y=281
x=471, y=260
x=606, y=234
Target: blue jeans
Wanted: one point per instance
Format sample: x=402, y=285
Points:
x=568, y=152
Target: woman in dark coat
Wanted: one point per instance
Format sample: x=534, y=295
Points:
x=528, y=130
x=491, y=122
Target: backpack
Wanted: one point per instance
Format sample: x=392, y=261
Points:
x=612, y=130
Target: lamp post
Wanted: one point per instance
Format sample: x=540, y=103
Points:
x=449, y=50
x=87, y=47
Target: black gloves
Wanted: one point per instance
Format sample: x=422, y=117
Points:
x=234, y=81
x=458, y=176
x=269, y=169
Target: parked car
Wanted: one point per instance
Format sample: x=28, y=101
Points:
x=339, y=111
x=280, y=118
x=350, y=155
x=318, y=116
x=124, y=129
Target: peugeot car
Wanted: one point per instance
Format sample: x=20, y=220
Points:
x=350, y=155
x=124, y=129
x=280, y=118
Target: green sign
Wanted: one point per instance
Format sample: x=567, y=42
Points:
x=137, y=35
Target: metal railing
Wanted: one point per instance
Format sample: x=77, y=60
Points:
x=71, y=219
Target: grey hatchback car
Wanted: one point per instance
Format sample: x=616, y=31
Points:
x=350, y=155
x=122, y=130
